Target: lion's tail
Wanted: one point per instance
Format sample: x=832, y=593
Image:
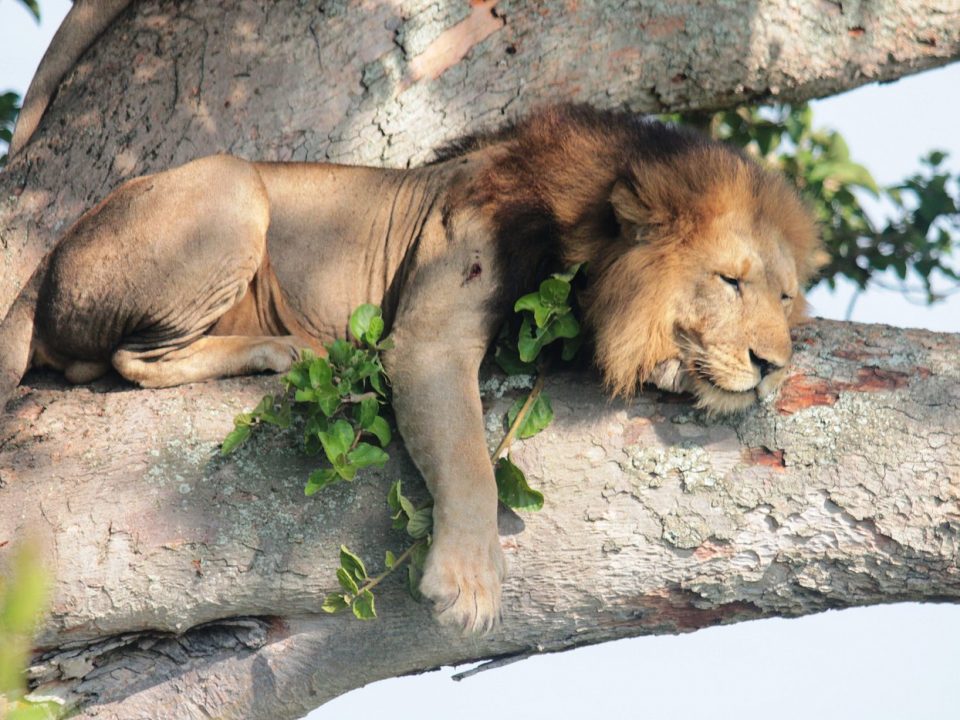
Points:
x=16, y=336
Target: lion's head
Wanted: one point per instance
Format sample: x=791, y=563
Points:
x=705, y=281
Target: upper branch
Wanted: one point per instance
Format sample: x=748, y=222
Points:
x=384, y=83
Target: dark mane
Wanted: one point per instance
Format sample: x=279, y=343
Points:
x=645, y=135
x=552, y=175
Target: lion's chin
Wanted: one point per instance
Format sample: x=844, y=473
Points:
x=672, y=376
x=717, y=401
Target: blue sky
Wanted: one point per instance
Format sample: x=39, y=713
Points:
x=883, y=663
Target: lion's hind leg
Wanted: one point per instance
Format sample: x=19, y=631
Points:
x=208, y=357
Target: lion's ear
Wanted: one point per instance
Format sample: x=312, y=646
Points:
x=626, y=206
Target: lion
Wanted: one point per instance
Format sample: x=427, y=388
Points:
x=695, y=257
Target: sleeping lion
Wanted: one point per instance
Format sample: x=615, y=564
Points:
x=695, y=262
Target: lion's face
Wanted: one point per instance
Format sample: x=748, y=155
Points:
x=704, y=285
x=731, y=318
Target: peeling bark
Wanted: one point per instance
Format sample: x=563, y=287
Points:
x=183, y=577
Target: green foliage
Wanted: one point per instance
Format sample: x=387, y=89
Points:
x=10, y=101
x=512, y=488
x=548, y=316
x=924, y=222
x=23, y=595
x=33, y=6
x=539, y=414
x=339, y=398
x=9, y=109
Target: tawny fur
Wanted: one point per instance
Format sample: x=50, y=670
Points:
x=696, y=258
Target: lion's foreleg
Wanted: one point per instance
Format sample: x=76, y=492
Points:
x=209, y=357
x=442, y=330
x=437, y=404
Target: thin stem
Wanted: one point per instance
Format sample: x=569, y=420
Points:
x=402, y=558
x=525, y=408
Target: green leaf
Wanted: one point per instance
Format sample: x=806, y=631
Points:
x=554, y=292
x=512, y=487
x=298, y=376
x=534, y=303
x=414, y=574
x=352, y=564
x=569, y=273
x=234, y=439
x=530, y=302
x=374, y=331
x=538, y=416
x=393, y=496
x=360, y=321
x=367, y=412
x=265, y=406
x=363, y=607
x=376, y=382
x=319, y=479
x=419, y=555
x=528, y=343
x=365, y=455
x=381, y=429
x=346, y=470
x=346, y=581
x=268, y=412
x=337, y=440
x=509, y=361
x=328, y=400
x=566, y=326
x=321, y=374
x=389, y=560
x=334, y=602
x=407, y=506
x=340, y=352
x=399, y=503
x=837, y=148
x=420, y=523
x=33, y=6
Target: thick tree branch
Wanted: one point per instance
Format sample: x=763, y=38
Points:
x=385, y=82
x=843, y=492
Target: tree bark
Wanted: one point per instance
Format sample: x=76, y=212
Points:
x=383, y=82
x=190, y=581
x=187, y=580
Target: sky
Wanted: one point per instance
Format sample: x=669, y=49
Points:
x=882, y=663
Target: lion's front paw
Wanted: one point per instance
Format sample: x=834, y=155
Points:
x=463, y=582
x=278, y=354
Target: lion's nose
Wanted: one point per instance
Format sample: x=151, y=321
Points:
x=763, y=365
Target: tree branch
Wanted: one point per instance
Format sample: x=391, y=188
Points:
x=385, y=83
x=843, y=492
x=184, y=579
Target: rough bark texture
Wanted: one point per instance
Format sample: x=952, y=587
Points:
x=844, y=491
x=384, y=82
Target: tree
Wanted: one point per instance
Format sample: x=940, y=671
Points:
x=865, y=428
